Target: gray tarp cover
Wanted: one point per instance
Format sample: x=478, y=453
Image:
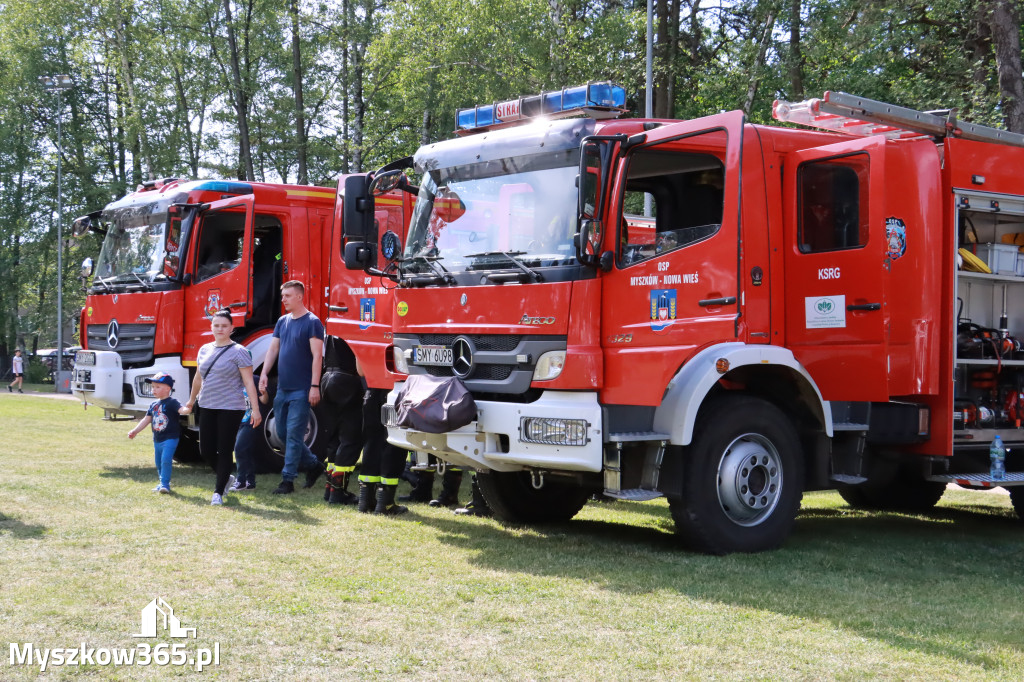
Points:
x=434, y=404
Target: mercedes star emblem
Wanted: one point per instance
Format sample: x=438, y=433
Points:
x=112, y=330
x=462, y=357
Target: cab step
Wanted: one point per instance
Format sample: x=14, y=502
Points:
x=636, y=436
x=633, y=494
x=979, y=481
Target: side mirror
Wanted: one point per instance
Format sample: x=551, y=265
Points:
x=87, y=268
x=386, y=181
x=80, y=226
x=360, y=255
x=359, y=229
x=588, y=241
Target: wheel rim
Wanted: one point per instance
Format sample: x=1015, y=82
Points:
x=270, y=431
x=749, y=479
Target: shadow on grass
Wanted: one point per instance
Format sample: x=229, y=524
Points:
x=19, y=529
x=287, y=508
x=935, y=584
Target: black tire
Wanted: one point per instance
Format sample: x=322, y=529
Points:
x=1017, y=499
x=742, y=478
x=893, y=486
x=513, y=499
x=187, y=451
x=269, y=455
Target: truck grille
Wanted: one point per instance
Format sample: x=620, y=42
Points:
x=482, y=372
x=134, y=342
x=498, y=342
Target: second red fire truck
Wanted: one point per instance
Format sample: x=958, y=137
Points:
x=720, y=313
x=174, y=252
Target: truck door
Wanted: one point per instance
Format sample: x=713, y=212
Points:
x=836, y=268
x=221, y=269
x=674, y=284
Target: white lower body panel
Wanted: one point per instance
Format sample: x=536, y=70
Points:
x=480, y=445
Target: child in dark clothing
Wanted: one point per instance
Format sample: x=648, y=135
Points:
x=163, y=414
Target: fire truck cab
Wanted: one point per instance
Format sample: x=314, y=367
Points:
x=720, y=313
x=174, y=252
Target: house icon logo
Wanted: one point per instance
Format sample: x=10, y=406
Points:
x=157, y=615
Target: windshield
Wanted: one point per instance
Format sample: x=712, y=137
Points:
x=134, y=246
x=485, y=216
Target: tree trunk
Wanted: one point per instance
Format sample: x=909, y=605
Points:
x=661, y=70
x=556, y=47
x=796, y=58
x=240, y=100
x=1005, y=25
x=758, y=65
x=300, y=112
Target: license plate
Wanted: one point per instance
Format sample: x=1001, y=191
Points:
x=84, y=357
x=437, y=356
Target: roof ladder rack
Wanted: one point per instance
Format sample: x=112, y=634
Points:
x=839, y=112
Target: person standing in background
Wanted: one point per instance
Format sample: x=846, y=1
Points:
x=298, y=343
x=18, y=368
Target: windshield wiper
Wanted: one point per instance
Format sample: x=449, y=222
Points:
x=533, y=275
x=440, y=271
x=103, y=282
x=144, y=283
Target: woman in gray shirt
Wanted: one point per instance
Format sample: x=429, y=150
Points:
x=223, y=378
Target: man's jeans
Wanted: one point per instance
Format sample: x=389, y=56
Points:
x=291, y=416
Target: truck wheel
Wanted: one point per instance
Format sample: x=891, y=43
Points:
x=512, y=498
x=187, y=451
x=1017, y=499
x=742, y=479
x=893, y=486
x=269, y=455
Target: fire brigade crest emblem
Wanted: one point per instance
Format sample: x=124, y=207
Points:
x=367, y=312
x=895, y=238
x=663, y=308
x=212, y=303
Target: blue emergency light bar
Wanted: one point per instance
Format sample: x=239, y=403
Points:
x=599, y=100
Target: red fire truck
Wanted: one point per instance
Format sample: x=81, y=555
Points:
x=720, y=313
x=174, y=252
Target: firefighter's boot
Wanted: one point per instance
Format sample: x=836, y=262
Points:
x=478, y=505
x=329, y=486
x=386, y=501
x=423, y=490
x=340, y=493
x=449, y=496
x=367, y=497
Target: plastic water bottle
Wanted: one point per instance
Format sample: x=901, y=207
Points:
x=997, y=459
x=247, y=416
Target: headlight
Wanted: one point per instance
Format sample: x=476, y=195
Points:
x=549, y=365
x=550, y=431
x=143, y=388
x=401, y=364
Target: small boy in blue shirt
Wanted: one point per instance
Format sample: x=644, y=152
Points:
x=163, y=414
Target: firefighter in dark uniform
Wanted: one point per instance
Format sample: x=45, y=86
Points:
x=423, y=485
x=342, y=389
x=382, y=462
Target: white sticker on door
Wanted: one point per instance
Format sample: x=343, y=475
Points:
x=825, y=312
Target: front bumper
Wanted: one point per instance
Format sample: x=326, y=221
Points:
x=105, y=384
x=493, y=442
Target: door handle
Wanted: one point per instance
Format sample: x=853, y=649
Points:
x=338, y=308
x=865, y=306
x=240, y=304
x=728, y=300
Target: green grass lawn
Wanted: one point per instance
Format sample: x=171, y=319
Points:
x=292, y=589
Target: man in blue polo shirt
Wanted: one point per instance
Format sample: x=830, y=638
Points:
x=298, y=343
